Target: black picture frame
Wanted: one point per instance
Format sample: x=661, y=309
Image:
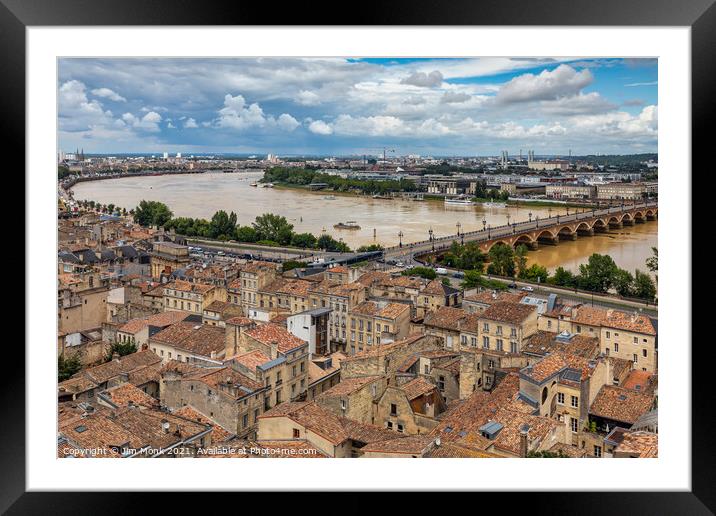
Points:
x=700, y=15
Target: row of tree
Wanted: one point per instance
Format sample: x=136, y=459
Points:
x=599, y=274
x=267, y=229
x=304, y=177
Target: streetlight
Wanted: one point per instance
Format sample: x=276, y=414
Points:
x=458, y=225
x=549, y=210
x=537, y=220
x=508, y=219
x=400, y=238
x=488, y=231
x=430, y=232
x=530, y=216
x=484, y=222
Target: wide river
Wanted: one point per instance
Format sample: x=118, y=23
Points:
x=381, y=220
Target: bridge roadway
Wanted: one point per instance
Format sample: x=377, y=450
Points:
x=533, y=232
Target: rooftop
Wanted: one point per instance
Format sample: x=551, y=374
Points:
x=620, y=404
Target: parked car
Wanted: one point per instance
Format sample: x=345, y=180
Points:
x=458, y=274
x=441, y=270
x=527, y=289
x=512, y=285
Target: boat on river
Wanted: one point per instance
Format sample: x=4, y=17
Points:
x=459, y=201
x=494, y=205
x=350, y=225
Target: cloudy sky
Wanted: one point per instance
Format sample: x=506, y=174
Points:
x=357, y=106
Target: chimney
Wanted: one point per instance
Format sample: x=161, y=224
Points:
x=274, y=349
x=524, y=430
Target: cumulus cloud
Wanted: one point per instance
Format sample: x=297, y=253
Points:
x=149, y=122
x=583, y=103
x=108, y=94
x=548, y=85
x=236, y=114
x=190, y=123
x=320, y=127
x=451, y=97
x=424, y=80
x=77, y=112
x=287, y=123
x=308, y=98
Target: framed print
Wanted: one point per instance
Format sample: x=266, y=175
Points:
x=434, y=235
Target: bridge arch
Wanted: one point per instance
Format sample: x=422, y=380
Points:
x=524, y=239
x=546, y=233
x=627, y=216
x=497, y=242
x=583, y=226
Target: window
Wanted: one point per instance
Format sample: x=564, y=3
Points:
x=513, y=347
x=245, y=421
x=486, y=342
x=575, y=401
x=579, y=329
x=463, y=340
x=560, y=398
x=499, y=344
x=597, y=451
x=400, y=428
x=473, y=342
x=441, y=383
x=389, y=425
x=616, y=348
x=393, y=409
x=549, y=324
x=635, y=358
x=608, y=336
x=636, y=340
x=486, y=327
x=643, y=352
x=296, y=433
x=344, y=405
x=574, y=423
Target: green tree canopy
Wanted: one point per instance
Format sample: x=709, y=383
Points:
x=273, y=227
x=423, y=272
x=152, y=213
x=598, y=273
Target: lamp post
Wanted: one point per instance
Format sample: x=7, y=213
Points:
x=537, y=220
x=458, y=227
x=484, y=222
x=508, y=219
x=400, y=238
x=430, y=232
x=488, y=231
x=549, y=210
x=530, y=216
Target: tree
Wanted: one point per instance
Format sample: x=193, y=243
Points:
x=329, y=243
x=472, y=279
x=472, y=257
x=223, y=225
x=652, y=263
x=423, y=272
x=273, y=227
x=369, y=248
x=536, y=273
x=624, y=283
x=152, y=213
x=246, y=234
x=292, y=264
x=644, y=286
x=562, y=277
x=122, y=349
x=502, y=260
x=304, y=240
x=67, y=366
x=521, y=259
x=598, y=273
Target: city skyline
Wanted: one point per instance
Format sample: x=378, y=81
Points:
x=336, y=106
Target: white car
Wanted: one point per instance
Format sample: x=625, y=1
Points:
x=528, y=289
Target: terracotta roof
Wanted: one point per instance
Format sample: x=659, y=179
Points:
x=445, y=317
x=313, y=417
x=382, y=309
x=384, y=349
x=338, y=269
x=226, y=375
x=489, y=297
x=544, y=342
x=641, y=381
x=512, y=313
x=348, y=386
x=468, y=416
x=555, y=363
x=160, y=320
x=216, y=306
x=365, y=433
x=436, y=288
x=240, y=321
x=417, y=387
x=568, y=450
x=108, y=370
x=251, y=359
x=508, y=439
x=175, y=333
x=591, y=316
x=125, y=394
x=218, y=434
x=186, y=286
x=290, y=287
x=270, y=332
x=409, y=445
x=620, y=404
x=642, y=444
x=203, y=341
